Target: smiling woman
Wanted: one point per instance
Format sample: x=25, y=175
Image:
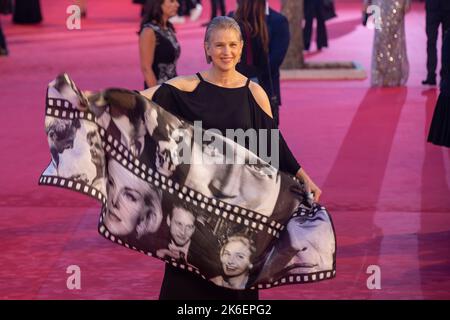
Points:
x=184, y=218
x=236, y=257
x=222, y=98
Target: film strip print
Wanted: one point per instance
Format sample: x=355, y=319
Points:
x=80, y=94
x=301, y=278
x=227, y=211
x=103, y=230
x=59, y=110
x=74, y=185
x=291, y=279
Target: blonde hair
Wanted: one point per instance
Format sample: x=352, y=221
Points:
x=220, y=23
x=244, y=240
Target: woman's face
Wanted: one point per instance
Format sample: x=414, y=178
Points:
x=127, y=207
x=252, y=186
x=95, y=148
x=224, y=48
x=235, y=258
x=169, y=8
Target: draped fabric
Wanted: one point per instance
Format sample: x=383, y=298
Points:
x=190, y=197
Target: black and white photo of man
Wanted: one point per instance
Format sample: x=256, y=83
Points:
x=181, y=223
x=306, y=246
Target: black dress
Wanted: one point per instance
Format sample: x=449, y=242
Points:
x=27, y=11
x=440, y=126
x=167, y=52
x=220, y=108
x=315, y=9
x=254, y=62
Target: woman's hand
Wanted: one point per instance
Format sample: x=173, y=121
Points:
x=310, y=186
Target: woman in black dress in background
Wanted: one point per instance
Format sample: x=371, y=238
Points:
x=221, y=98
x=440, y=126
x=158, y=46
x=27, y=11
x=254, y=64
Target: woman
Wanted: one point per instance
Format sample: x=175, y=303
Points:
x=315, y=9
x=440, y=126
x=27, y=11
x=3, y=47
x=254, y=63
x=221, y=98
x=390, y=67
x=236, y=258
x=158, y=46
x=97, y=158
x=133, y=204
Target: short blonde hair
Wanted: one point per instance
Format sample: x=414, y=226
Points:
x=219, y=23
x=244, y=240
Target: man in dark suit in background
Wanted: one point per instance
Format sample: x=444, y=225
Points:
x=315, y=9
x=437, y=13
x=279, y=37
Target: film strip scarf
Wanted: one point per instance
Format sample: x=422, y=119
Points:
x=242, y=225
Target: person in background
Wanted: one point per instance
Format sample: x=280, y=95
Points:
x=191, y=8
x=254, y=62
x=257, y=62
x=27, y=12
x=5, y=8
x=279, y=38
x=159, y=49
x=3, y=47
x=440, y=126
x=315, y=9
x=215, y=6
x=390, y=66
x=437, y=13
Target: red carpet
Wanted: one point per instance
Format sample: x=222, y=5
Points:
x=387, y=189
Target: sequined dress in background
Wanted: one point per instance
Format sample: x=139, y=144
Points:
x=390, y=66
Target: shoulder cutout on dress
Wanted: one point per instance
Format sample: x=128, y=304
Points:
x=261, y=98
x=185, y=83
x=148, y=93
